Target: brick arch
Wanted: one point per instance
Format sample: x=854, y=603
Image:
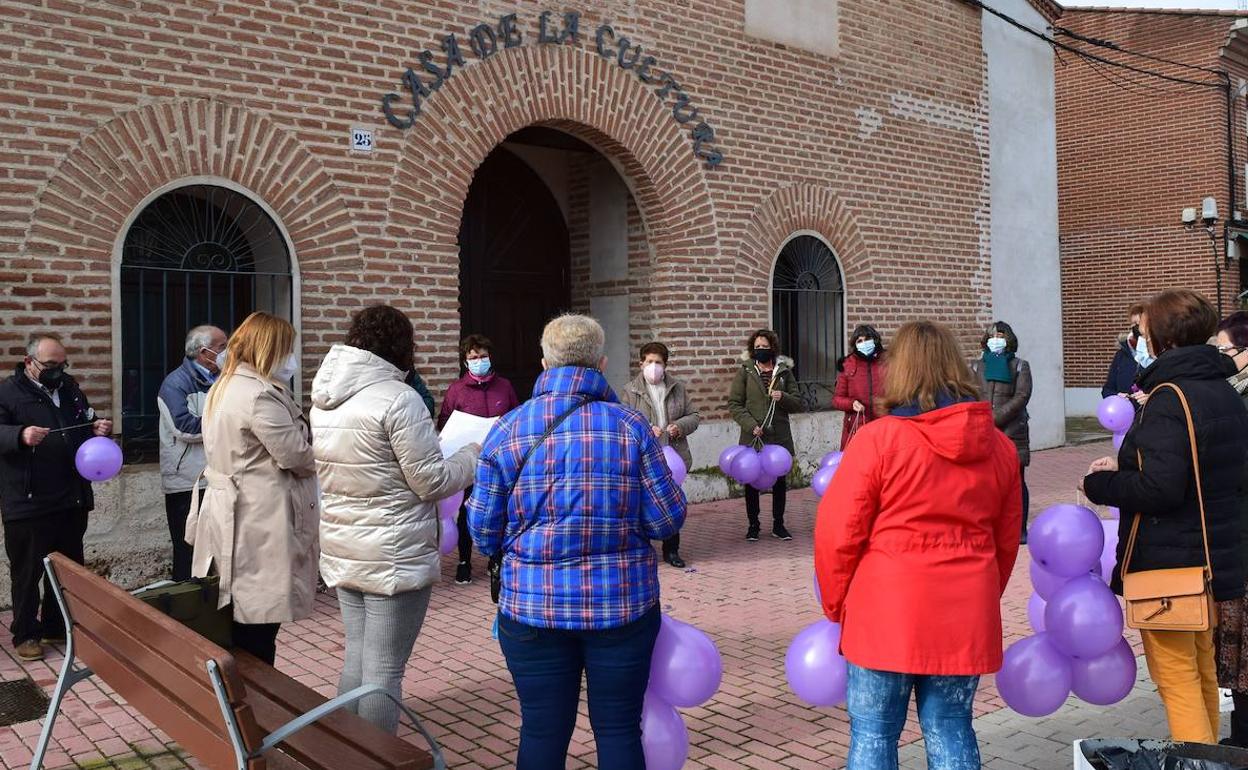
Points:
x=791, y=209
x=581, y=93
x=81, y=213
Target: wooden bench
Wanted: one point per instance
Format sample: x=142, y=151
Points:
x=227, y=709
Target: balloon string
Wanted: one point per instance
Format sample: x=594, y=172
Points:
x=73, y=427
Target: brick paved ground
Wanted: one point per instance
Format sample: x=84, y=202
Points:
x=752, y=598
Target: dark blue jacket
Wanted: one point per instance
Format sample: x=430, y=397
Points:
x=1122, y=372
x=35, y=481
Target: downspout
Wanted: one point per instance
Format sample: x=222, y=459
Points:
x=1221, y=257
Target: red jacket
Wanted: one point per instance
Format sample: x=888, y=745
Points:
x=492, y=398
x=916, y=539
x=859, y=380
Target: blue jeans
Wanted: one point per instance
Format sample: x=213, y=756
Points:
x=878, y=701
x=546, y=665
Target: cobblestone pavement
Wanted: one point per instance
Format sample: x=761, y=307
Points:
x=752, y=598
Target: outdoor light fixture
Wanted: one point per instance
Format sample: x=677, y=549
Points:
x=1209, y=218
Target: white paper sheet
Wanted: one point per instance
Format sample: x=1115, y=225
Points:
x=462, y=429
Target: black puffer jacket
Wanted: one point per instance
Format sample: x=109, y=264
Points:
x=1164, y=493
x=41, y=480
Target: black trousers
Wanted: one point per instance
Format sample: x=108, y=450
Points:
x=671, y=545
x=465, y=538
x=1026, y=497
x=27, y=542
x=177, y=508
x=260, y=639
x=752, y=505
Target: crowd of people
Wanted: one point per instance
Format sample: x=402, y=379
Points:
x=571, y=486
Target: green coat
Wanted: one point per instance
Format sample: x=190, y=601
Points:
x=749, y=399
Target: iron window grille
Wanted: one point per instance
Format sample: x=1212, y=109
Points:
x=201, y=254
x=807, y=310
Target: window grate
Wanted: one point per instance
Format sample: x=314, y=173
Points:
x=807, y=310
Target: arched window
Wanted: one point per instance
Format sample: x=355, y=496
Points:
x=201, y=254
x=807, y=310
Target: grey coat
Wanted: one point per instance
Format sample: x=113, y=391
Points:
x=1009, y=404
x=680, y=411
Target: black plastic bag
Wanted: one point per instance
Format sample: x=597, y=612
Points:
x=1179, y=756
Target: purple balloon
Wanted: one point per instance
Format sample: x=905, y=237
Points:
x=764, y=482
x=1083, y=618
x=822, y=478
x=726, y=457
x=1066, y=539
x=675, y=465
x=776, y=460
x=1118, y=437
x=449, y=540
x=98, y=459
x=746, y=467
x=664, y=737
x=1035, y=678
x=1109, y=555
x=1105, y=679
x=831, y=458
x=1116, y=414
x=1035, y=612
x=448, y=508
x=1044, y=582
x=814, y=666
x=686, y=668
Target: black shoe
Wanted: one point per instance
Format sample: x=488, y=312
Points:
x=463, y=573
x=778, y=531
x=751, y=534
x=674, y=559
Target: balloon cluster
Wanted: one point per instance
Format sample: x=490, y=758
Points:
x=1116, y=415
x=685, y=671
x=1078, y=645
x=98, y=459
x=758, y=468
x=827, y=469
x=448, y=512
x=813, y=664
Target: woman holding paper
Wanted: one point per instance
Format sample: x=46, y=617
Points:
x=483, y=393
x=382, y=473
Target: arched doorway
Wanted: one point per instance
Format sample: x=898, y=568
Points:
x=198, y=254
x=515, y=264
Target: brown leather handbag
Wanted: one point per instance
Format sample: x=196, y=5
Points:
x=1171, y=599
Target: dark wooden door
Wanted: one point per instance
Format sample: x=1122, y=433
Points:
x=514, y=265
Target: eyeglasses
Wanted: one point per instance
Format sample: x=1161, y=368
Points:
x=1230, y=350
x=51, y=364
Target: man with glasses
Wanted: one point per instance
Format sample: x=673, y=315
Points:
x=181, y=405
x=44, y=418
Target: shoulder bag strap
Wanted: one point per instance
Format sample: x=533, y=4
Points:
x=1200, y=494
x=533, y=448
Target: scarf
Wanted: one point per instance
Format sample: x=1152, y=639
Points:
x=658, y=395
x=997, y=367
x=1239, y=381
x=942, y=400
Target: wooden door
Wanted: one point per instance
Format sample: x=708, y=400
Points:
x=514, y=265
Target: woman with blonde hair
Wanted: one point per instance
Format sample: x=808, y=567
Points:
x=914, y=543
x=257, y=527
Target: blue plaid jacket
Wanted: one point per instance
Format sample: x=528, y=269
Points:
x=589, y=501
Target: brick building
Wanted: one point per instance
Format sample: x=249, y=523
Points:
x=684, y=171
x=1133, y=152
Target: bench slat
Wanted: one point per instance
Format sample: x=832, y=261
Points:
x=203, y=740
x=277, y=699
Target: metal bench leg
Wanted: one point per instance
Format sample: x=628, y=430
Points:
x=68, y=677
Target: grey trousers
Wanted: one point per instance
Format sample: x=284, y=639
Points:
x=381, y=631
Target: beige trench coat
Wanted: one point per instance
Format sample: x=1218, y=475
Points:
x=257, y=527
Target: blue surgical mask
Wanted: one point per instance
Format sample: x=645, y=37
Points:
x=1142, y=356
x=479, y=366
x=997, y=344
x=866, y=348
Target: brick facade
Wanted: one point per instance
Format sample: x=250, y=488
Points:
x=106, y=104
x=1133, y=151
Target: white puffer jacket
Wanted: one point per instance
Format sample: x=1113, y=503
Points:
x=381, y=475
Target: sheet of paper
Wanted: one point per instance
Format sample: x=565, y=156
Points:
x=462, y=429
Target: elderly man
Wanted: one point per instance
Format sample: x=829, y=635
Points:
x=44, y=418
x=570, y=489
x=181, y=404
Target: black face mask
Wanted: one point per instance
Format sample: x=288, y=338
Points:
x=50, y=377
x=764, y=355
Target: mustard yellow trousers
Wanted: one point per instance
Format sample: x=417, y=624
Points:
x=1182, y=666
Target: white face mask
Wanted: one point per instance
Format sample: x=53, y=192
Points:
x=287, y=370
x=1142, y=356
x=996, y=344
x=221, y=358
x=653, y=373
